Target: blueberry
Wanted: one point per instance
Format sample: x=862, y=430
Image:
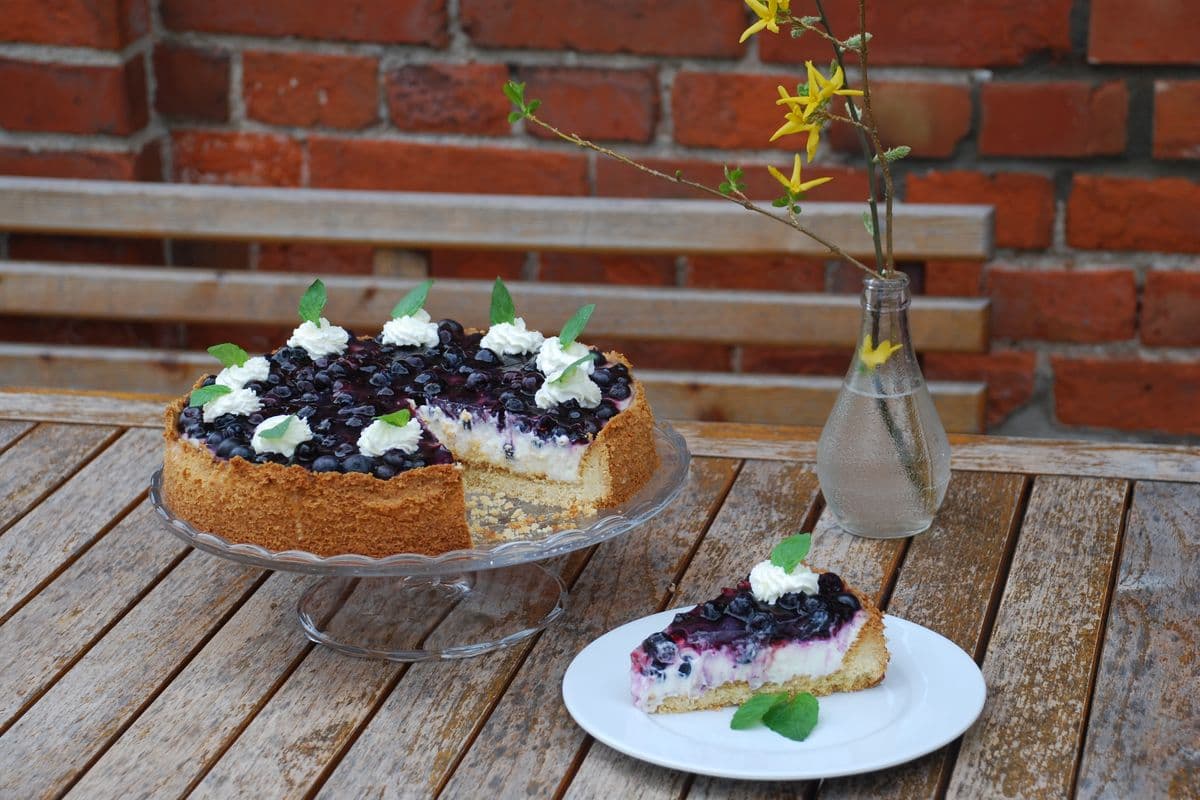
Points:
x=343, y=398
x=424, y=377
x=282, y=392
x=591, y=427
x=619, y=391
x=326, y=464
x=215, y=438
x=191, y=414
x=574, y=414
x=476, y=380
x=829, y=583
x=274, y=379
x=415, y=361
x=452, y=358
x=710, y=612
x=394, y=458
x=358, y=463
x=242, y=452
x=386, y=391
x=344, y=449
x=226, y=448
x=740, y=607
x=336, y=371
x=367, y=369
x=383, y=472
x=761, y=622
x=355, y=422
x=848, y=600
x=789, y=601
x=450, y=325
x=306, y=451
x=445, y=337
x=398, y=369
x=432, y=388
x=602, y=377
x=660, y=648
x=530, y=383
x=559, y=432
x=379, y=379
x=515, y=404
x=323, y=425
x=485, y=356
x=305, y=386
x=605, y=411
x=321, y=362
x=685, y=669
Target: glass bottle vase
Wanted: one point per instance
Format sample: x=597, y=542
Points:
x=883, y=459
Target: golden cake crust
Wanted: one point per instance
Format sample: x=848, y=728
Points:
x=421, y=511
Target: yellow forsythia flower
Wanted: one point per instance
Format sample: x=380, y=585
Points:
x=766, y=17
x=794, y=184
x=873, y=357
x=795, y=121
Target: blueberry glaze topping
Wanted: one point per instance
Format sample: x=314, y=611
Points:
x=738, y=621
x=341, y=395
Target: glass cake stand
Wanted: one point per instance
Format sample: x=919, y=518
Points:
x=411, y=607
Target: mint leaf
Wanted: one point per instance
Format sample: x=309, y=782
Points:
x=562, y=376
x=277, y=431
x=795, y=719
x=502, y=303
x=412, y=302
x=751, y=712
x=229, y=354
x=575, y=325
x=398, y=418
x=313, y=302
x=206, y=394
x=791, y=551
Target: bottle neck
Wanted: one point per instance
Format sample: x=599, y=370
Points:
x=884, y=359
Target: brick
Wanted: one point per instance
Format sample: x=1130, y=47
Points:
x=191, y=83
x=605, y=104
x=1128, y=394
x=931, y=118
x=477, y=264
x=209, y=254
x=107, y=24
x=244, y=159
x=630, y=270
x=1009, y=376
x=1062, y=305
x=614, y=179
x=1177, y=119
x=730, y=110
x=99, y=165
x=73, y=99
x=409, y=166
x=384, y=21
x=449, y=98
x=1058, y=118
x=668, y=28
x=768, y=273
x=307, y=89
x=1171, y=309
x=796, y=360
x=950, y=33
x=316, y=259
x=668, y=354
x=1158, y=32
x=953, y=278
x=1024, y=203
x=1109, y=213
x=85, y=249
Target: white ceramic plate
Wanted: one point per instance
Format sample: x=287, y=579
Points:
x=932, y=693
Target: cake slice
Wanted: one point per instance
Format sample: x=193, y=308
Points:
x=794, y=632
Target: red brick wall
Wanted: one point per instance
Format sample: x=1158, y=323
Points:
x=1078, y=119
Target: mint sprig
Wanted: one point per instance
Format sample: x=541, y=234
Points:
x=575, y=325
x=570, y=369
x=793, y=717
x=791, y=551
x=206, y=394
x=503, y=309
x=412, y=302
x=277, y=431
x=398, y=418
x=313, y=302
x=229, y=354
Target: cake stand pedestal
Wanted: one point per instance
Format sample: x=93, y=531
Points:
x=411, y=607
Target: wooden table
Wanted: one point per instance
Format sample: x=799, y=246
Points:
x=133, y=666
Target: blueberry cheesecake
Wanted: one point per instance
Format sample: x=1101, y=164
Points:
x=780, y=630
x=337, y=443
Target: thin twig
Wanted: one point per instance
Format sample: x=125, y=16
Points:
x=873, y=130
x=740, y=199
x=862, y=141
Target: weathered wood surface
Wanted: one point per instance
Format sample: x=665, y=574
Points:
x=678, y=395
x=64, y=524
x=49, y=633
x=56, y=740
x=1144, y=727
x=365, y=303
x=11, y=431
x=1134, y=461
x=418, y=219
x=1043, y=648
x=952, y=576
x=43, y=458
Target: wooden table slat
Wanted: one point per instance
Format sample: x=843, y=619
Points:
x=950, y=576
x=1143, y=736
x=437, y=708
x=82, y=713
x=49, y=631
x=766, y=497
x=11, y=430
x=70, y=519
x=1044, y=643
x=41, y=460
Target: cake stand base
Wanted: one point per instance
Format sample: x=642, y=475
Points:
x=435, y=617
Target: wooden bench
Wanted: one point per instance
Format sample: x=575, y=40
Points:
x=421, y=220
